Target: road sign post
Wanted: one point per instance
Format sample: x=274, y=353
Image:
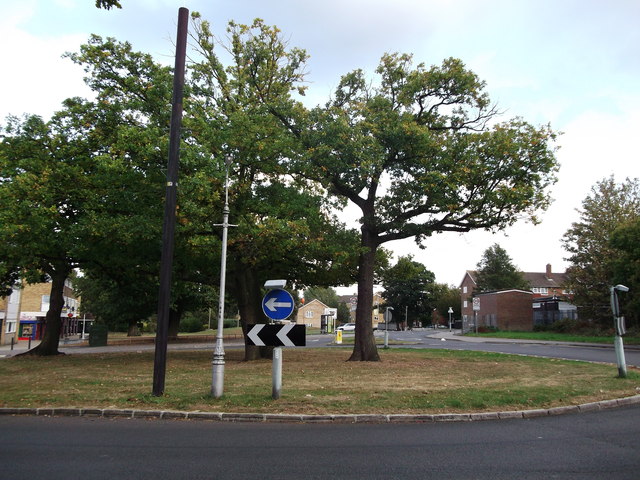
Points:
x=278, y=336
x=476, y=309
x=277, y=304
x=387, y=318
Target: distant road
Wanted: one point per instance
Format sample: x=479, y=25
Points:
x=426, y=338
x=419, y=338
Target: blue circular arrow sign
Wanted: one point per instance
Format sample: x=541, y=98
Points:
x=277, y=304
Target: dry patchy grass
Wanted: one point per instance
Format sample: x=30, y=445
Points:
x=315, y=381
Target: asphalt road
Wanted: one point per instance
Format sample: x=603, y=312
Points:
x=584, y=446
x=422, y=338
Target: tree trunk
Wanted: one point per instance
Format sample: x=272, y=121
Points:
x=53, y=321
x=364, y=348
x=249, y=296
x=133, y=330
x=174, y=323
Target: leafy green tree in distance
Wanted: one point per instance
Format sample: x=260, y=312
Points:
x=130, y=120
x=626, y=268
x=326, y=295
x=86, y=187
x=592, y=257
x=344, y=313
x=496, y=271
x=421, y=153
x=448, y=297
x=47, y=185
x=410, y=289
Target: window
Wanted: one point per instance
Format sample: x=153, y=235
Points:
x=465, y=304
x=464, y=289
x=11, y=326
x=540, y=290
x=44, y=304
x=308, y=314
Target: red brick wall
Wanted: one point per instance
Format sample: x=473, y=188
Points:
x=515, y=311
x=507, y=310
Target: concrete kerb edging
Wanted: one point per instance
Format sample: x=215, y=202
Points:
x=303, y=418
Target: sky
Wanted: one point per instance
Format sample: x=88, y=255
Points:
x=572, y=64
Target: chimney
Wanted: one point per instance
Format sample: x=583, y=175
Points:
x=549, y=275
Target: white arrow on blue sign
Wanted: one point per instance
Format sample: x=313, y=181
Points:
x=277, y=304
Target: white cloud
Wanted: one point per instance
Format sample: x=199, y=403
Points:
x=36, y=70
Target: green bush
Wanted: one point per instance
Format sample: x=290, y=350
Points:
x=229, y=323
x=487, y=329
x=191, y=324
x=575, y=327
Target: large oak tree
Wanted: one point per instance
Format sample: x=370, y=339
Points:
x=421, y=152
x=285, y=228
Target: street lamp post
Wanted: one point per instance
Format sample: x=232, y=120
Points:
x=450, y=312
x=217, y=383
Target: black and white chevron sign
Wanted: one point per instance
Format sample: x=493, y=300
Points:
x=269, y=335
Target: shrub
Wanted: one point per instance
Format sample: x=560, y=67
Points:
x=191, y=324
x=576, y=327
x=486, y=329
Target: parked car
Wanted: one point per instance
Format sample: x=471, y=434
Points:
x=347, y=327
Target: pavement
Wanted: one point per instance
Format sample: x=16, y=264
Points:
x=455, y=336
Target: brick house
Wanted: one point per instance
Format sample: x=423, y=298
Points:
x=376, y=313
x=24, y=311
x=545, y=284
x=316, y=314
x=3, y=329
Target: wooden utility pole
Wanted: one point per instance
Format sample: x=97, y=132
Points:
x=168, y=227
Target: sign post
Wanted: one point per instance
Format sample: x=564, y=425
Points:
x=277, y=304
x=387, y=317
x=476, y=308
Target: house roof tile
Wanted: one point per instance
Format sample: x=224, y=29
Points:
x=535, y=279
